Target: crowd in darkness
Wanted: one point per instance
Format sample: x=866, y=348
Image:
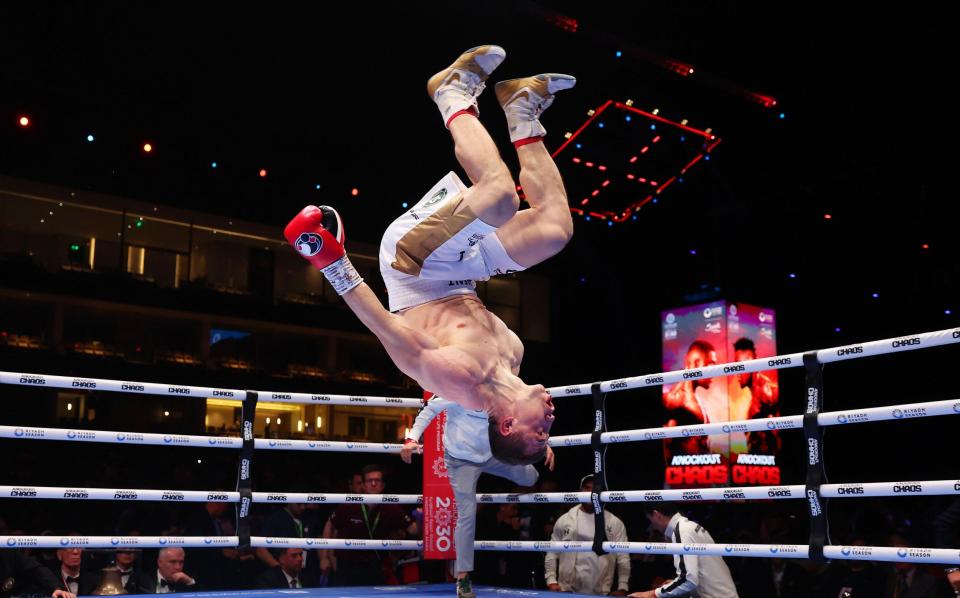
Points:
x=906, y=522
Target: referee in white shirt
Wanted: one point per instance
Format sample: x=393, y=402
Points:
x=699, y=576
x=585, y=572
x=467, y=454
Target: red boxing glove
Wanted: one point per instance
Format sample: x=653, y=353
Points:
x=317, y=235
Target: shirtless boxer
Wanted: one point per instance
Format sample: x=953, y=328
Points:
x=437, y=331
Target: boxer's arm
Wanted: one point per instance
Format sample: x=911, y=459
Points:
x=449, y=371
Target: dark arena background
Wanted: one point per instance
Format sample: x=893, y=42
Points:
x=797, y=158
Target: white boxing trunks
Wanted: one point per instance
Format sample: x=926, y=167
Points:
x=434, y=251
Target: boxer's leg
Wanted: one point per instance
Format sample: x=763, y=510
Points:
x=541, y=231
x=493, y=196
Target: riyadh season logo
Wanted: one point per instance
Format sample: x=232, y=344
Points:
x=71, y=434
x=842, y=419
x=726, y=428
x=114, y=541
x=671, y=318
x=902, y=553
x=897, y=413
x=845, y=551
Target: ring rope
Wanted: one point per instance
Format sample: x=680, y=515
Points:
x=787, y=422
x=234, y=442
x=794, y=551
x=203, y=392
x=792, y=360
x=923, y=555
x=737, y=493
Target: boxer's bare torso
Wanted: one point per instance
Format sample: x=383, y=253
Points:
x=477, y=339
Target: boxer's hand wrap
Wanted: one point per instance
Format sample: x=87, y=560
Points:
x=342, y=275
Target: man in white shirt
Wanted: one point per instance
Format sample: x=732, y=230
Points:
x=700, y=576
x=585, y=572
x=467, y=454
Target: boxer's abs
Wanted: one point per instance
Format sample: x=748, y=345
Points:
x=463, y=320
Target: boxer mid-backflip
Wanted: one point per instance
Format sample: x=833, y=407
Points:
x=437, y=331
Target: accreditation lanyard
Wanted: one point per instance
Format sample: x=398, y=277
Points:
x=366, y=521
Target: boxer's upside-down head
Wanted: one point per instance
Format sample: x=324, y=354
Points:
x=520, y=418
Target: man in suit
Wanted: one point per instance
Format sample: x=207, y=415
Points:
x=22, y=574
x=288, y=574
x=69, y=576
x=285, y=522
x=906, y=580
x=169, y=576
x=220, y=569
x=126, y=560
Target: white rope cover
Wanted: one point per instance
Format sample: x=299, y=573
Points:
x=789, y=551
x=795, y=491
x=118, y=541
x=235, y=442
x=793, y=360
x=203, y=392
x=336, y=543
x=122, y=494
x=787, y=422
x=792, y=551
x=337, y=499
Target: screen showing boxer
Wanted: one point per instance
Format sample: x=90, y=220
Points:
x=703, y=335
